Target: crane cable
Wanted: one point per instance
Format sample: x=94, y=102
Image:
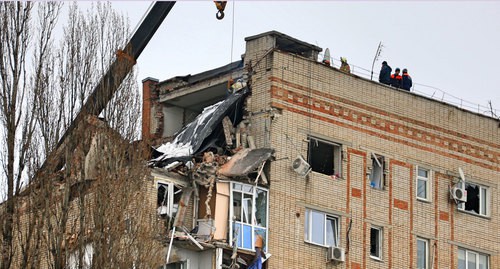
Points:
x=232, y=33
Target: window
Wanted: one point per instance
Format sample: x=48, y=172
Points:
x=377, y=175
x=422, y=253
x=477, y=199
x=176, y=265
x=325, y=157
x=168, y=197
x=248, y=214
x=472, y=260
x=376, y=242
x=423, y=184
x=321, y=229
x=73, y=261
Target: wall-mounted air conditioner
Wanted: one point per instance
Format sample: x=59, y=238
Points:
x=300, y=166
x=336, y=254
x=459, y=194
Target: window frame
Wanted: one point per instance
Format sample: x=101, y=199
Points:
x=380, y=241
x=337, y=157
x=170, y=186
x=326, y=216
x=427, y=181
x=483, y=201
x=182, y=264
x=426, y=250
x=375, y=160
x=253, y=226
x=477, y=254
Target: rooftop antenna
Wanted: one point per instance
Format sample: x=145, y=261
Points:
x=377, y=54
x=492, y=110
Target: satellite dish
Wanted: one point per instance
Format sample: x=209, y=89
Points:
x=461, y=174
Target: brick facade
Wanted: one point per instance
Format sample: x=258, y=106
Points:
x=366, y=117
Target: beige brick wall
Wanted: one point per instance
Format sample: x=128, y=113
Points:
x=366, y=117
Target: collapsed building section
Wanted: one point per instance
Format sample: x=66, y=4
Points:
x=210, y=172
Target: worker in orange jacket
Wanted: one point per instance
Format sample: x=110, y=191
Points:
x=396, y=79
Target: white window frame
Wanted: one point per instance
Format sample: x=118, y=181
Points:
x=337, y=155
x=170, y=206
x=484, y=208
x=379, y=242
x=378, y=165
x=478, y=254
x=427, y=181
x=253, y=223
x=308, y=228
x=426, y=252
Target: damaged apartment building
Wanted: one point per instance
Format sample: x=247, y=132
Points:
x=320, y=168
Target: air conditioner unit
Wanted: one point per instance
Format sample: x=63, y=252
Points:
x=300, y=166
x=336, y=254
x=459, y=194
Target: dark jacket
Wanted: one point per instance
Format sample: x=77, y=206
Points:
x=406, y=82
x=385, y=74
x=396, y=80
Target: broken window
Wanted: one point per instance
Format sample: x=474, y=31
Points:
x=376, y=242
x=168, y=197
x=423, y=184
x=74, y=261
x=321, y=228
x=472, y=260
x=325, y=157
x=477, y=199
x=248, y=214
x=377, y=176
x=422, y=253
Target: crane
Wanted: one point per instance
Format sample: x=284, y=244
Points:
x=116, y=73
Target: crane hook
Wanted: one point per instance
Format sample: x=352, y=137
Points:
x=219, y=15
x=221, y=5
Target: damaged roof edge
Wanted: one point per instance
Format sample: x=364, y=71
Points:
x=191, y=79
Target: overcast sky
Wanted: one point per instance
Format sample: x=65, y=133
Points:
x=450, y=45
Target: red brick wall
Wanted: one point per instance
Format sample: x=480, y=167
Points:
x=148, y=86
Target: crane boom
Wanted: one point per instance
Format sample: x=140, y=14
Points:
x=112, y=79
x=123, y=64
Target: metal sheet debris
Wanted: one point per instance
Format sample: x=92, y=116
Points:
x=245, y=161
x=203, y=132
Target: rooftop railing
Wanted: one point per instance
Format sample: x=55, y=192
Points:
x=425, y=90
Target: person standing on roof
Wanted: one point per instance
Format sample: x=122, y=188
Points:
x=344, y=66
x=385, y=74
x=406, y=80
x=396, y=79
